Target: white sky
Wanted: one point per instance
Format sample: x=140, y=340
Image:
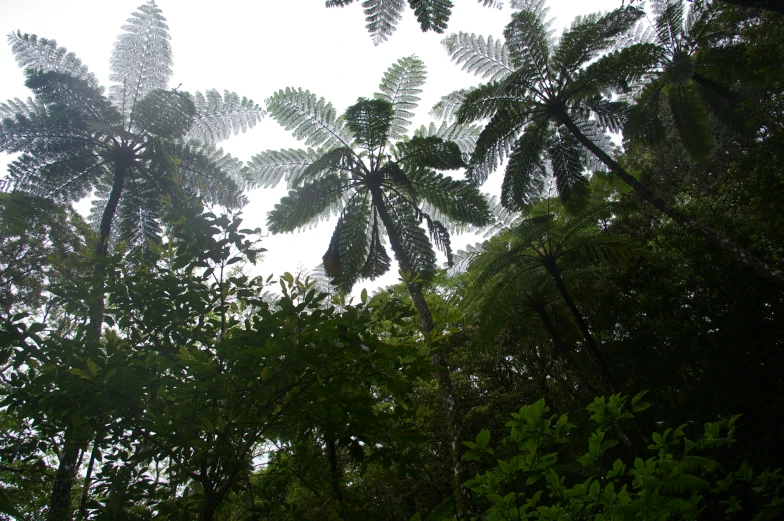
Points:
x=257, y=47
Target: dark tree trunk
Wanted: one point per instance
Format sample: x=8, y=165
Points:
x=741, y=255
x=334, y=471
x=609, y=379
x=60, y=502
x=448, y=396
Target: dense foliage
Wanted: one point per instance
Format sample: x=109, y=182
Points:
x=611, y=350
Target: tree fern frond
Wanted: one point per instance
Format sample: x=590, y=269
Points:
x=592, y=34
x=440, y=237
x=611, y=115
x=306, y=204
x=309, y=118
x=486, y=58
x=400, y=86
x=332, y=161
x=378, y=261
x=617, y=71
x=267, y=168
x=669, y=24
x=209, y=173
x=141, y=59
x=464, y=136
x=138, y=213
x=412, y=237
x=347, y=254
x=457, y=200
x=218, y=118
x=684, y=484
x=525, y=174
x=528, y=41
x=568, y=167
x=74, y=98
x=495, y=143
x=432, y=15
x=382, y=17
x=449, y=105
x=370, y=122
x=691, y=120
x=29, y=109
x=338, y=3
x=164, y=113
x=42, y=54
x=429, y=152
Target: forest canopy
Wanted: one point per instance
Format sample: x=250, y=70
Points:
x=611, y=347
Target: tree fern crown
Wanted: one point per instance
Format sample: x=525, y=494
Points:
x=135, y=143
x=378, y=182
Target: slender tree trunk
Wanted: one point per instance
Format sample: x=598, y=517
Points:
x=561, y=347
x=88, y=478
x=609, y=379
x=334, y=471
x=60, y=503
x=448, y=396
x=741, y=255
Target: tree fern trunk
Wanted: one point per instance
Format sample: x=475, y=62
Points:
x=609, y=379
x=448, y=396
x=741, y=255
x=60, y=503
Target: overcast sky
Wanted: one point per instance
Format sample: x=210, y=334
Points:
x=257, y=47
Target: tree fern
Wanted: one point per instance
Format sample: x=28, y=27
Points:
x=432, y=15
x=382, y=17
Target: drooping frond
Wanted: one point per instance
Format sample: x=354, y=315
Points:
x=611, y=115
x=400, y=86
x=141, y=59
x=267, y=168
x=138, y=213
x=413, y=239
x=76, y=99
x=429, y=152
x=306, y=204
x=464, y=136
x=432, y=15
x=486, y=58
x=164, y=113
x=440, y=236
x=209, y=173
x=449, y=105
x=378, y=261
x=382, y=16
x=525, y=175
x=495, y=142
x=369, y=122
x=347, y=254
x=332, y=161
x=218, y=118
x=691, y=119
x=566, y=158
x=309, y=118
x=459, y=201
x=44, y=55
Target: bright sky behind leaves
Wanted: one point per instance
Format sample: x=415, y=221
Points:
x=257, y=47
